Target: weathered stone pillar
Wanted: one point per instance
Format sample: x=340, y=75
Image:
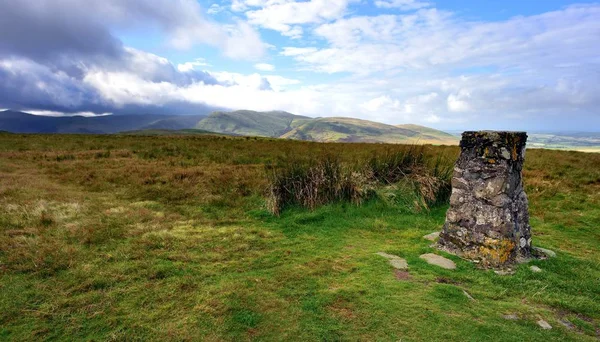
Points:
x=488, y=219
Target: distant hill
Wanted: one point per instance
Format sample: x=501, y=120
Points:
x=578, y=141
x=428, y=133
x=246, y=122
x=20, y=122
x=290, y=126
x=355, y=130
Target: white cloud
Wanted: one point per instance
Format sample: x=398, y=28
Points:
x=403, y=5
x=297, y=51
x=433, y=118
x=459, y=102
x=189, y=66
x=264, y=67
x=380, y=102
x=59, y=114
x=430, y=38
x=285, y=16
x=215, y=9
x=239, y=41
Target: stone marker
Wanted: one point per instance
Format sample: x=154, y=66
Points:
x=488, y=219
x=438, y=260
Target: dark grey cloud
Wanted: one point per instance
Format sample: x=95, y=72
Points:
x=47, y=47
x=33, y=87
x=49, y=33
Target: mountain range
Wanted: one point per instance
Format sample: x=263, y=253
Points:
x=274, y=124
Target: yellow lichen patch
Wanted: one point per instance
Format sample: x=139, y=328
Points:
x=516, y=140
x=496, y=252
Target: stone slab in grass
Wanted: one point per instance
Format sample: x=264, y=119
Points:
x=438, y=260
x=545, y=252
x=535, y=269
x=544, y=325
x=432, y=237
x=394, y=260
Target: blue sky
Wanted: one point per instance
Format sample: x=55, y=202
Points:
x=532, y=65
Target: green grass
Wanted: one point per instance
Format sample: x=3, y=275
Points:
x=169, y=238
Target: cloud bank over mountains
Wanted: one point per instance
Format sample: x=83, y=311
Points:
x=394, y=61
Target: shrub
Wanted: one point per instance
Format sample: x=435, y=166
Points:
x=325, y=179
x=315, y=183
x=394, y=165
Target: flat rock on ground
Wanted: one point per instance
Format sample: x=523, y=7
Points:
x=535, y=269
x=544, y=325
x=394, y=260
x=547, y=252
x=468, y=295
x=432, y=237
x=505, y=272
x=438, y=260
x=567, y=324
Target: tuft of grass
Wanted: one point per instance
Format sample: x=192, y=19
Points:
x=326, y=179
x=321, y=181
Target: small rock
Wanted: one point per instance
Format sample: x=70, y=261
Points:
x=469, y=296
x=432, y=237
x=504, y=272
x=567, y=324
x=387, y=256
x=394, y=260
x=511, y=317
x=438, y=260
x=535, y=269
x=547, y=252
x=544, y=325
x=399, y=263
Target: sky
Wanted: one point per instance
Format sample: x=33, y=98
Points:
x=447, y=64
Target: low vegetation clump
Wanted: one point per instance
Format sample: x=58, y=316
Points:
x=401, y=173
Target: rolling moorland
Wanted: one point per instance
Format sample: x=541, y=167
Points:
x=129, y=237
x=247, y=123
x=577, y=141
x=274, y=124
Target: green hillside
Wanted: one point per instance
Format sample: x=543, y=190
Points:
x=246, y=122
x=337, y=129
x=355, y=130
x=430, y=133
x=349, y=130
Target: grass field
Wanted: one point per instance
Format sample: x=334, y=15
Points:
x=169, y=238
